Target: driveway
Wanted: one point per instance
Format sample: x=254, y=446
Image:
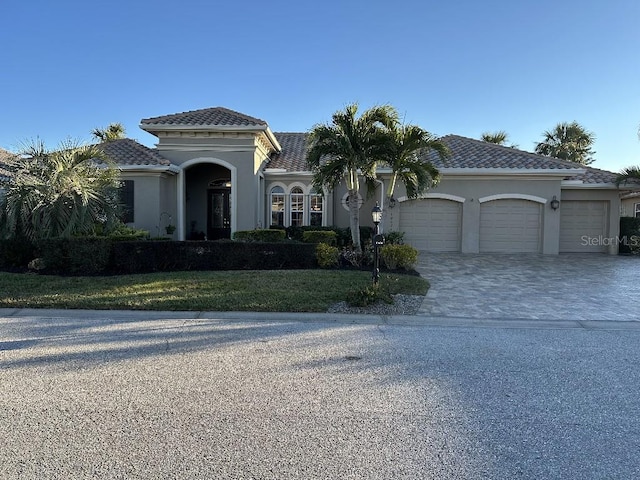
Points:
x=545, y=287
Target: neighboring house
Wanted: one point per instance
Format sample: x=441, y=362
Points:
x=215, y=171
x=630, y=204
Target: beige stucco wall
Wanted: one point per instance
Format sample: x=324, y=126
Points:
x=154, y=193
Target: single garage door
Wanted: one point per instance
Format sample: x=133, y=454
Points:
x=510, y=226
x=583, y=226
x=432, y=224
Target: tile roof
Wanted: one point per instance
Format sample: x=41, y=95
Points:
x=206, y=116
x=465, y=153
x=292, y=157
x=595, y=176
x=129, y=152
x=472, y=153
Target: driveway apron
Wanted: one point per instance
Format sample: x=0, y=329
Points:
x=524, y=286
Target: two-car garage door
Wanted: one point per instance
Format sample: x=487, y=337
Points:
x=506, y=225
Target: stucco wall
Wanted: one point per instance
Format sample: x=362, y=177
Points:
x=154, y=193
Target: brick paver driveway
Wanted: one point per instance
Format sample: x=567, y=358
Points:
x=551, y=287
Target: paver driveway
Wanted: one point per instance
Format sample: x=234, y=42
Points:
x=551, y=287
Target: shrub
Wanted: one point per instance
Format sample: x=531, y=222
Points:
x=394, y=238
x=327, y=256
x=629, y=235
x=76, y=256
x=399, y=256
x=319, y=236
x=369, y=295
x=153, y=256
x=260, y=235
x=16, y=252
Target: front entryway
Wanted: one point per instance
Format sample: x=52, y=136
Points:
x=218, y=213
x=208, y=206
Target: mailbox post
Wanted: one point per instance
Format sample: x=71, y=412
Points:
x=378, y=242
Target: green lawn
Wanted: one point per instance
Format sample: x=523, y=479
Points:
x=263, y=291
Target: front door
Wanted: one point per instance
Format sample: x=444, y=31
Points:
x=218, y=213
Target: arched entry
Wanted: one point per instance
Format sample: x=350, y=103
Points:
x=208, y=200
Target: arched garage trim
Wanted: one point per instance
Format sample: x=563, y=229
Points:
x=442, y=196
x=182, y=206
x=513, y=196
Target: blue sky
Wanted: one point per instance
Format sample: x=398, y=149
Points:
x=462, y=67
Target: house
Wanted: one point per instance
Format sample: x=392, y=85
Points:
x=630, y=204
x=216, y=171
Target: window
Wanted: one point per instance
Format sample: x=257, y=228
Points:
x=636, y=210
x=126, y=201
x=296, y=200
x=317, y=206
x=277, y=206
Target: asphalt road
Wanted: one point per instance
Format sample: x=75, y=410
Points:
x=172, y=397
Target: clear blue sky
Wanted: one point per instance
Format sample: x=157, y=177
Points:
x=463, y=67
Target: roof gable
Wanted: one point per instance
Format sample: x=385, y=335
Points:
x=216, y=116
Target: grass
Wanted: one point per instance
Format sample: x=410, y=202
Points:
x=257, y=291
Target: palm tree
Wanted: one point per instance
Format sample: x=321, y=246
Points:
x=407, y=160
x=348, y=148
x=626, y=174
x=58, y=193
x=499, y=138
x=114, y=131
x=568, y=141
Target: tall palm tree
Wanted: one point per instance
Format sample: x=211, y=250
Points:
x=58, y=193
x=348, y=148
x=407, y=160
x=568, y=141
x=114, y=131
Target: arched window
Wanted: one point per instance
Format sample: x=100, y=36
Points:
x=296, y=201
x=316, y=205
x=277, y=206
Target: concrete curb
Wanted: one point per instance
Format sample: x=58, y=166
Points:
x=355, y=319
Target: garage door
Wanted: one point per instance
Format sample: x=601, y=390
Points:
x=432, y=224
x=583, y=226
x=510, y=226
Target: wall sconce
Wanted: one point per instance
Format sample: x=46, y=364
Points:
x=392, y=202
x=555, y=203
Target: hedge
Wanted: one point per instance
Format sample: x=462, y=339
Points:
x=629, y=235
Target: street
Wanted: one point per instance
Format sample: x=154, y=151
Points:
x=129, y=395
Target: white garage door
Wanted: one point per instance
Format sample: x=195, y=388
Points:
x=583, y=226
x=432, y=224
x=510, y=226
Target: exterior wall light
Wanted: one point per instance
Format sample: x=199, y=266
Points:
x=555, y=203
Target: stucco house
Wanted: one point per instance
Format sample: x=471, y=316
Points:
x=216, y=171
